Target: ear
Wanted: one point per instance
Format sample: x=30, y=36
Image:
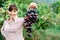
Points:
x=8, y=12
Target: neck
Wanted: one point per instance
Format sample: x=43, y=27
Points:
x=12, y=18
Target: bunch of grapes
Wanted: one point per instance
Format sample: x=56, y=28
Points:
x=31, y=17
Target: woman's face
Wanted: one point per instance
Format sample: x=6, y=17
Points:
x=12, y=13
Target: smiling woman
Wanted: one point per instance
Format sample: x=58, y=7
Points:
x=47, y=28
x=12, y=28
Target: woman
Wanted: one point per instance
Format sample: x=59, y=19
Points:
x=12, y=27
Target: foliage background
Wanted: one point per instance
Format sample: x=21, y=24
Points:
x=48, y=25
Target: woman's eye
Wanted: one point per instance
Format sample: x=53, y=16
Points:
x=14, y=10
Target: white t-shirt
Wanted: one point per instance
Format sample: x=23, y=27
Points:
x=13, y=30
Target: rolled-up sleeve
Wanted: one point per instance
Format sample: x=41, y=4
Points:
x=2, y=30
x=9, y=28
x=23, y=19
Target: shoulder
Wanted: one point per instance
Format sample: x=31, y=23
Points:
x=21, y=19
x=6, y=21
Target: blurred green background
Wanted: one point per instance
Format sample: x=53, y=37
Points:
x=48, y=26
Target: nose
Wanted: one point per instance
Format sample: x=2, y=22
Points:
x=14, y=10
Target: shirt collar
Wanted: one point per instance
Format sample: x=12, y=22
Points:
x=16, y=18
